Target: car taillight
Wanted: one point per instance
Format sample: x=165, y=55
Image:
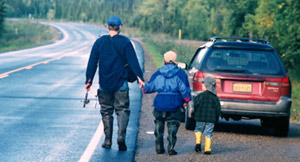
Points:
x=197, y=81
x=286, y=86
x=275, y=84
x=284, y=83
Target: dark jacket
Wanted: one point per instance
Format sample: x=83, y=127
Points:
x=207, y=107
x=172, y=86
x=112, y=72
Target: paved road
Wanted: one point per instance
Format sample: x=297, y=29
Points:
x=41, y=112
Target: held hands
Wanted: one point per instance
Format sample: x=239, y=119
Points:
x=141, y=83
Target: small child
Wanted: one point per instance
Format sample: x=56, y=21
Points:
x=206, y=113
x=173, y=89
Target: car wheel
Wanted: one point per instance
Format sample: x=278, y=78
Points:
x=281, y=126
x=190, y=123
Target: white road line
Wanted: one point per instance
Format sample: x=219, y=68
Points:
x=89, y=151
x=6, y=74
x=133, y=45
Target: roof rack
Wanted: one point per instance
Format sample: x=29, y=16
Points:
x=238, y=39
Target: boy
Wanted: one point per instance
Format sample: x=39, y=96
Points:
x=174, y=91
x=206, y=113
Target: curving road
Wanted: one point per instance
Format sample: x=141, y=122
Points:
x=41, y=113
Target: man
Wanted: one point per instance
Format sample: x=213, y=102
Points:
x=108, y=53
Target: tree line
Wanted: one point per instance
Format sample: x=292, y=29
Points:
x=277, y=21
x=2, y=15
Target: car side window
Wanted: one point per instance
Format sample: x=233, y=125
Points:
x=195, y=63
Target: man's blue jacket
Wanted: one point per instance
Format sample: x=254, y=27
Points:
x=172, y=85
x=112, y=72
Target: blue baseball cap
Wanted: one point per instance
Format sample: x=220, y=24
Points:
x=114, y=19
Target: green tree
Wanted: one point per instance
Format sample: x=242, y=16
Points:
x=174, y=20
x=2, y=15
x=233, y=16
x=51, y=14
x=151, y=15
x=58, y=9
x=279, y=22
x=15, y=8
x=197, y=18
x=288, y=33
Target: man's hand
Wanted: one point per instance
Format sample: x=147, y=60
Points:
x=87, y=86
x=141, y=83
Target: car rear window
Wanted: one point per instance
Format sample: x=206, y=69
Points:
x=243, y=61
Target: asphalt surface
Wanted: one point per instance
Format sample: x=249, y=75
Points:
x=238, y=141
x=41, y=114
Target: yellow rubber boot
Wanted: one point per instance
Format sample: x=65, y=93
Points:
x=198, y=136
x=207, y=147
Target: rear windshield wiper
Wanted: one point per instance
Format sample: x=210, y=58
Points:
x=232, y=70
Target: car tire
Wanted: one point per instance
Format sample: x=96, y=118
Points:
x=281, y=126
x=190, y=122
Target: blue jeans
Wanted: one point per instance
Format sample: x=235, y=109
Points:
x=205, y=128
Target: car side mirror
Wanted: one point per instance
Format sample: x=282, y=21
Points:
x=182, y=65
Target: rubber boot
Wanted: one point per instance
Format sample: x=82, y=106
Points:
x=123, y=113
x=159, y=134
x=123, y=119
x=122, y=124
x=207, y=148
x=106, y=102
x=172, y=131
x=108, y=130
x=198, y=136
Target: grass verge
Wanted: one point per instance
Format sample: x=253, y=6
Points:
x=20, y=34
x=158, y=48
x=295, y=109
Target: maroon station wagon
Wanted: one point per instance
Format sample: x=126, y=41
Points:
x=251, y=81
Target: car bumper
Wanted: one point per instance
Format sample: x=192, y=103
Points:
x=256, y=108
